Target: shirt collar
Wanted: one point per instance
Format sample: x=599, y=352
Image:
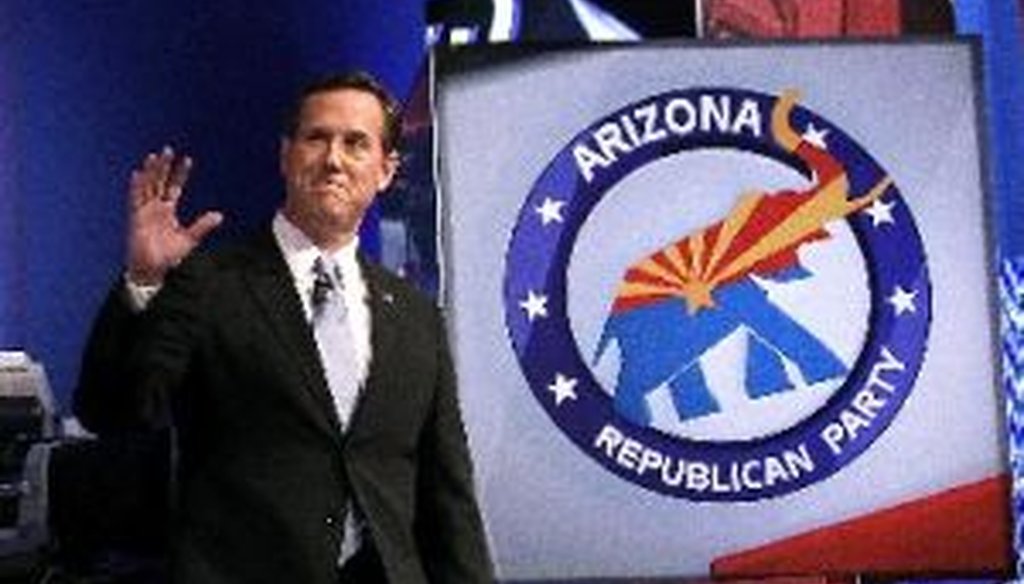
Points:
x=300, y=252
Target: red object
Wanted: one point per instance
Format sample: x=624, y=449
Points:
x=796, y=19
x=964, y=531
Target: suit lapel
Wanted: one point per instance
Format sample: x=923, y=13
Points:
x=384, y=313
x=384, y=331
x=271, y=283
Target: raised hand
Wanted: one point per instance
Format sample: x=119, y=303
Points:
x=157, y=241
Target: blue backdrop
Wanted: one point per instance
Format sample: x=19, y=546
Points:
x=87, y=87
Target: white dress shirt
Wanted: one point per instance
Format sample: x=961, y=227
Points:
x=300, y=253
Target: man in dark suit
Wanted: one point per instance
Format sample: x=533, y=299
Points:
x=285, y=473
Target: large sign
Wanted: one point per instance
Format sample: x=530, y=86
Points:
x=709, y=300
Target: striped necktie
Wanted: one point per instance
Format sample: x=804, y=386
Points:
x=334, y=338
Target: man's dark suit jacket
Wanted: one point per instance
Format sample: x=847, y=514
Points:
x=225, y=354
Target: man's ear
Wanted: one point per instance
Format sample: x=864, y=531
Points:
x=391, y=164
x=282, y=156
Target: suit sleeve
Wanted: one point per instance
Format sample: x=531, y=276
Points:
x=449, y=526
x=132, y=360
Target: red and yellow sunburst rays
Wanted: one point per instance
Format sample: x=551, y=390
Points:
x=761, y=234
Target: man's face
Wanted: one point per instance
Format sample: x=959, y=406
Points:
x=335, y=164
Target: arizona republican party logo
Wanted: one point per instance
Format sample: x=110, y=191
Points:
x=717, y=294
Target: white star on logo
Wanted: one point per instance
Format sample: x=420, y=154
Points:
x=815, y=137
x=550, y=211
x=535, y=305
x=564, y=388
x=881, y=212
x=902, y=300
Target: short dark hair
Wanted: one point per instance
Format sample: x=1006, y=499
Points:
x=356, y=80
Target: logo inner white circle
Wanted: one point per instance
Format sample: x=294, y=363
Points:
x=678, y=195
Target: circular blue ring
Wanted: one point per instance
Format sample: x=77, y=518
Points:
x=537, y=259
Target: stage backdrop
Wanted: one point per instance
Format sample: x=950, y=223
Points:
x=720, y=308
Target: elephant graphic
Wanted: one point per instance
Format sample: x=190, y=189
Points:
x=680, y=301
